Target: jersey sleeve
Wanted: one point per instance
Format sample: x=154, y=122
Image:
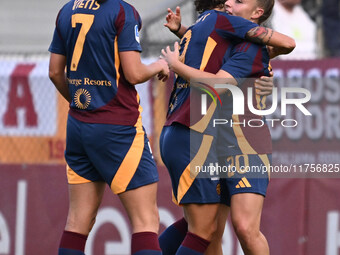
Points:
x=231, y=27
x=57, y=45
x=244, y=61
x=128, y=24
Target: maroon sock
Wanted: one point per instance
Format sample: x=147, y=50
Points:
x=72, y=240
x=144, y=241
x=195, y=242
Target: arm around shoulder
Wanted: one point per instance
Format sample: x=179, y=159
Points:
x=283, y=43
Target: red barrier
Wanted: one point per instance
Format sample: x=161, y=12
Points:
x=33, y=210
x=300, y=216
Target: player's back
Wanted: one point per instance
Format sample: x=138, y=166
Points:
x=245, y=133
x=91, y=36
x=246, y=62
x=203, y=42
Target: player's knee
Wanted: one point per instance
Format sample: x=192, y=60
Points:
x=153, y=215
x=218, y=233
x=212, y=230
x=147, y=221
x=245, y=232
x=93, y=221
x=206, y=231
x=80, y=224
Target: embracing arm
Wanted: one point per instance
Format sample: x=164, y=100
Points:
x=136, y=72
x=281, y=43
x=264, y=85
x=189, y=73
x=57, y=74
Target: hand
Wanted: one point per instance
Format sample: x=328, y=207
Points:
x=264, y=85
x=171, y=57
x=173, y=19
x=163, y=75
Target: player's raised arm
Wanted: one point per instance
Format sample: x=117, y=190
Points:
x=282, y=44
x=174, y=22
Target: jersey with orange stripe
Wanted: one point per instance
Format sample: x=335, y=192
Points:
x=247, y=133
x=206, y=45
x=90, y=35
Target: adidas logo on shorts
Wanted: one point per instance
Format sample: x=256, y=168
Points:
x=243, y=183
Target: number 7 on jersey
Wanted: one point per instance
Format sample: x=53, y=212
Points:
x=86, y=21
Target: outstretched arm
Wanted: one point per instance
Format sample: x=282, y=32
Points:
x=187, y=72
x=136, y=72
x=281, y=43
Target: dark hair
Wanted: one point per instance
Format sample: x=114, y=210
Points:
x=267, y=6
x=204, y=5
x=101, y=1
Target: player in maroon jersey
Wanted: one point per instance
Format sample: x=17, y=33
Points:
x=244, y=60
x=106, y=144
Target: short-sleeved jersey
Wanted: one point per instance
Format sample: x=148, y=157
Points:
x=90, y=35
x=204, y=46
x=247, y=61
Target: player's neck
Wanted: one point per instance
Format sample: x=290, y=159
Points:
x=256, y=21
x=220, y=9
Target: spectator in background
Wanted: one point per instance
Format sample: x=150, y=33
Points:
x=291, y=19
x=331, y=29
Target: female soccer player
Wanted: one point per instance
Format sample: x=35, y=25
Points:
x=98, y=43
x=246, y=193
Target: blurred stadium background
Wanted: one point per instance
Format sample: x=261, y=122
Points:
x=301, y=214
